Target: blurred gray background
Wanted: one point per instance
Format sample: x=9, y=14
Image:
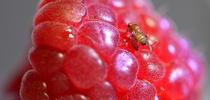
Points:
x=192, y=18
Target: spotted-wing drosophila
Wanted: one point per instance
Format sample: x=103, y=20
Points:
x=139, y=35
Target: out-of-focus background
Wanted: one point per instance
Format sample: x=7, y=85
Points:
x=192, y=18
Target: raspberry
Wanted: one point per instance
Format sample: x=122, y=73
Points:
x=61, y=11
x=102, y=13
x=149, y=22
x=59, y=84
x=89, y=50
x=122, y=72
x=142, y=90
x=33, y=87
x=126, y=17
x=46, y=60
x=168, y=50
x=52, y=34
x=99, y=35
x=177, y=82
x=84, y=67
x=193, y=61
x=152, y=68
x=103, y=91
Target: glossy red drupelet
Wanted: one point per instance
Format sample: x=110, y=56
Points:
x=83, y=50
x=123, y=70
x=84, y=67
x=46, y=60
x=142, y=90
x=33, y=87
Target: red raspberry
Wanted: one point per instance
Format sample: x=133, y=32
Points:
x=46, y=60
x=53, y=34
x=59, y=84
x=151, y=67
x=142, y=90
x=33, y=87
x=63, y=11
x=102, y=13
x=84, y=67
x=123, y=70
x=103, y=91
x=109, y=50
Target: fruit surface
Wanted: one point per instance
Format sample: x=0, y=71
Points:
x=83, y=50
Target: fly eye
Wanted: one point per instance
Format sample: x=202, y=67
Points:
x=129, y=25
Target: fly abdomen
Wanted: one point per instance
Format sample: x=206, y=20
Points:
x=141, y=38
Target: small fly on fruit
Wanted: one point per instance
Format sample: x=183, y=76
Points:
x=138, y=35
